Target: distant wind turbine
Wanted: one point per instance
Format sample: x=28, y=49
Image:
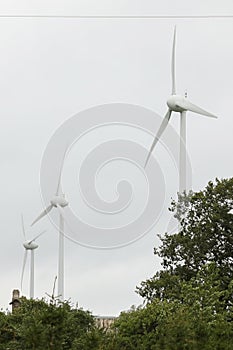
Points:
x=58, y=202
x=178, y=103
x=29, y=245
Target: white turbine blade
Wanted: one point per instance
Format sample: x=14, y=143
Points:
x=24, y=264
x=188, y=106
x=159, y=133
x=54, y=285
x=35, y=238
x=23, y=227
x=60, y=173
x=45, y=212
x=173, y=63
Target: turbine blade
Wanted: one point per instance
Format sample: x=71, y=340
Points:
x=173, y=63
x=35, y=238
x=188, y=106
x=23, y=227
x=159, y=133
x=24, y=264
x=54, y=285
x=60, y=173
x=45, y=212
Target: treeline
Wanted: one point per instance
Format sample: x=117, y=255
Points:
x=188, y=304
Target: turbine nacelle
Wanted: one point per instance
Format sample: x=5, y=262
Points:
x=59, y=201
x=30, y=245
x=175, y=103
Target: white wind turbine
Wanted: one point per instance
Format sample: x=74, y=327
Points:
x=29, y=245
x=58, y=202
x=178, y=103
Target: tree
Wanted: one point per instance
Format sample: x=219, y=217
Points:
x=189, y=302
x=200, y=321
x=41, y=325
x=205, y=236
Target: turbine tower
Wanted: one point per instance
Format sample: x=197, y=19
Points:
x=178, y=103
x=29, y=245
x=58, y=202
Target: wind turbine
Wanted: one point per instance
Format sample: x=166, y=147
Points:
x=58, y=202
x=29, y=245
x=178, y=103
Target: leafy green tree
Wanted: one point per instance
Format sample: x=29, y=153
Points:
x=42, y=325
x=190, y=301
x=200, y=321
x=205, y=236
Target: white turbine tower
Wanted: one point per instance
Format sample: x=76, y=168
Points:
x=29, y=245
x=178, y=103
x=58, y=202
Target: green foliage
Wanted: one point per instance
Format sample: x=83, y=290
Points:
x=200, y=321
x=205, y=236
x=40, y=325
x=195, y=287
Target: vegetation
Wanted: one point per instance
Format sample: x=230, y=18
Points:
x=195, y=319
x=42, y=325
x=205, y=237
x=188, y=305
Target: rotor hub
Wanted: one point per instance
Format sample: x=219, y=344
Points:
x=59, y=200
x=30, y=245
x=174, y=103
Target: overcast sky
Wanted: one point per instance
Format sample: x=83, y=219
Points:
x=53, y=68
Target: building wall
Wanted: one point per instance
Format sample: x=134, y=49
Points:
x=104, y=321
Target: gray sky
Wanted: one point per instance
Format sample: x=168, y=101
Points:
x=53, y=68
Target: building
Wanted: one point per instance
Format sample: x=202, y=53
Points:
x=105, y=321
x=15, y=299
